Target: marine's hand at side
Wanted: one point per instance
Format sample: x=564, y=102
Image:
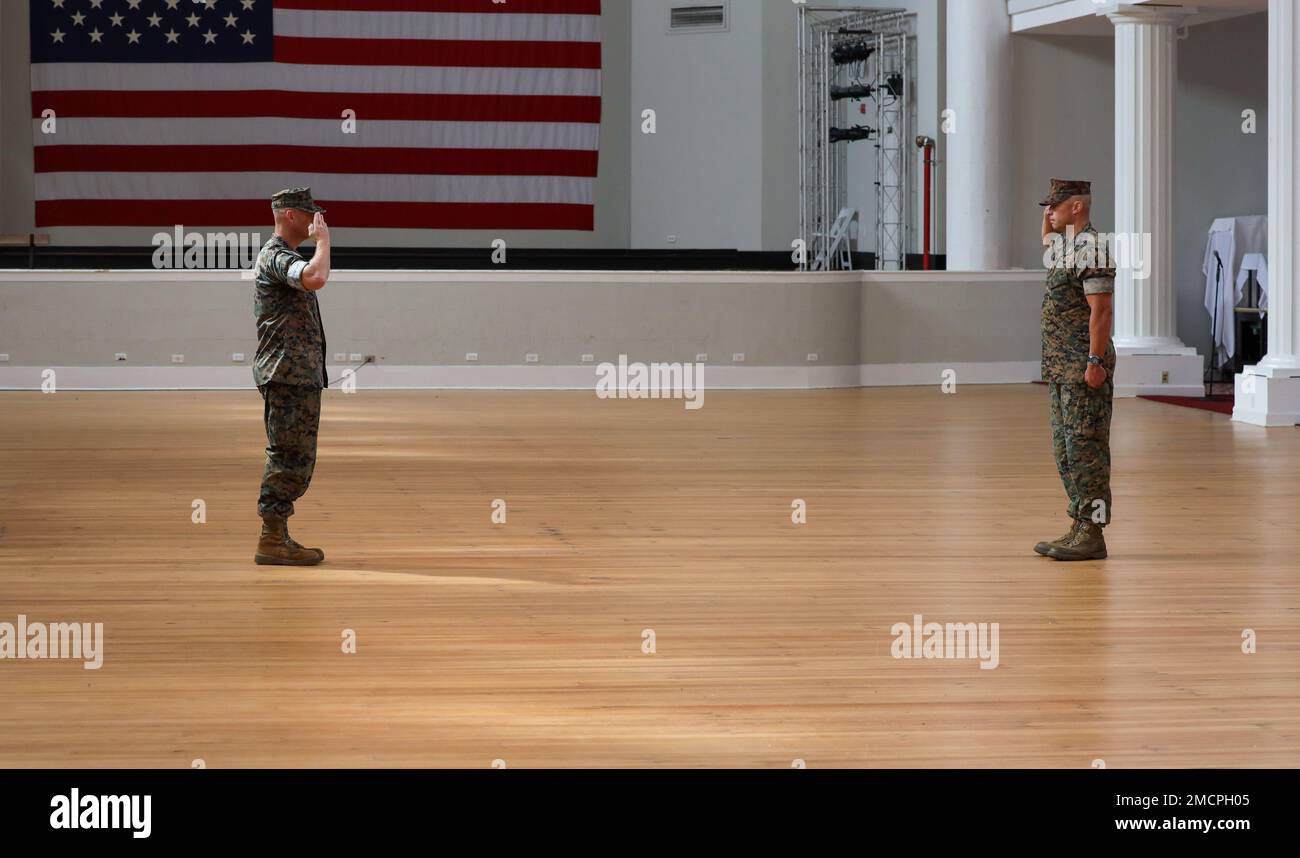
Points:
x=1095, y=376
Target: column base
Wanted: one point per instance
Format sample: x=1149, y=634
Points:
x=1177, y=372
x=1267, y=397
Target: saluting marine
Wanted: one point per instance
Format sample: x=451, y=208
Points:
x=289, y=369
x=1079, y=366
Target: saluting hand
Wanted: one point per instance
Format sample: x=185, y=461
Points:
x=319, y=230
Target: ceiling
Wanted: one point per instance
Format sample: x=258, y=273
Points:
x=1080, y=18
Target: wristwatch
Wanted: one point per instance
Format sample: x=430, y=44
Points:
x=1093, y=360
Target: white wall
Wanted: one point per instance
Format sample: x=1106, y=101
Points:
x=864, y=327
x=780, y=126
x=700, y=176
x=1064, y=128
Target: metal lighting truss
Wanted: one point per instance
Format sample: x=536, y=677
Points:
x=853, y=54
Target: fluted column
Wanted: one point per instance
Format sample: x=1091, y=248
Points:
x=1153, y=359
x=1268, y=394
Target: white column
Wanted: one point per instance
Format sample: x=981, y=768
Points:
x=977, y=150
x=1268, y=394
x=1152, y=358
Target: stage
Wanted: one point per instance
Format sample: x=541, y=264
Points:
x=636, y=522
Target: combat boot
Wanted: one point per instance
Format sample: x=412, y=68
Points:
x=275, y=548
x=291, y=542
x=1045, y=548
x=1087, y=544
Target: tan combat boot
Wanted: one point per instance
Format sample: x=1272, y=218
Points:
x=1045, y=548
x=275, y=548
x=1087, y=544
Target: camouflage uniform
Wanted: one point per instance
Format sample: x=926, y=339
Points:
x=1080, y=414
x=289, y=369
x=292, y=418
x=290, y=335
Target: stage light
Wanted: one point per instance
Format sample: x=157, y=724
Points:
x=856, y=51
x=861, y=90
x=857, y=132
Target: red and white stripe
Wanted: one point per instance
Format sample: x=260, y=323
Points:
x=470, y=115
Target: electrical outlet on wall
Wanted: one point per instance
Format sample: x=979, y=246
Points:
x=178, y=358
x=530, y=358
x=237, y=357
x=471, y=357
x=120, y=356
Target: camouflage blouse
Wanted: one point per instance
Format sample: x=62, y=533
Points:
x=290, y=335
x=1074, y=274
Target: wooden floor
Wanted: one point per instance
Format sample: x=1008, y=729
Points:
x=523, y=642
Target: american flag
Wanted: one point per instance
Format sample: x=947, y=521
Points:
x=469, y=114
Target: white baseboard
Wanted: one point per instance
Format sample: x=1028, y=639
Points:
x=1140, y=374
x=128, y=377
x=925, y=374
x=582, y=377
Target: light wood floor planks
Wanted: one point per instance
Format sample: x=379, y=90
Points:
x=523, y=642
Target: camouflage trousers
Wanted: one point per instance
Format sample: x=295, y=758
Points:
x=292, y=418
x=1081, y=443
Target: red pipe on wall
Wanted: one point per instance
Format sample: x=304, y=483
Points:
x=926, y=145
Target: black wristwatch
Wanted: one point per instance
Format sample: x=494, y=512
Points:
x=1093, y=360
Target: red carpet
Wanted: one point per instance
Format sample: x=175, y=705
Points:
x=1221, y=403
